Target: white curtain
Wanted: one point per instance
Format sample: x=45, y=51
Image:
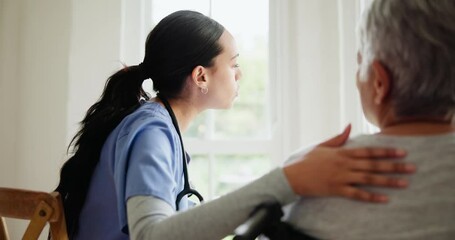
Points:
x=315, y=59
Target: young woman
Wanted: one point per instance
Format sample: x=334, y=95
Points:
x=128, y=176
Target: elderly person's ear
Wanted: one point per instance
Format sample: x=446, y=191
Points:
x=382, y=80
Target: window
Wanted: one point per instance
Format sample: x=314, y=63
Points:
x=298, y=85
x=231, y=147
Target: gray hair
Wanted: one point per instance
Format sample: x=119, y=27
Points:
x=415, y=40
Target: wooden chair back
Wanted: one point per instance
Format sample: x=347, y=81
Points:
x=38, y=207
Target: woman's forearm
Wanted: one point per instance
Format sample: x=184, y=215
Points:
x=155, y=219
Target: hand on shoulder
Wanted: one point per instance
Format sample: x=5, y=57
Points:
x=329, y=170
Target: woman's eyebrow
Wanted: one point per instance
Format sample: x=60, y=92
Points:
x=236, y=55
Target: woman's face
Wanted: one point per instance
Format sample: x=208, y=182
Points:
x=223, y=76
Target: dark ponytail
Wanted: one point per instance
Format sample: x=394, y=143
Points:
x=179, y=43
x=120, y=97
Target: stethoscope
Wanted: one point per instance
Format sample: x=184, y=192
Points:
x=187, y=190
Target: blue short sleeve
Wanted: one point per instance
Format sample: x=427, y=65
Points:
x=147, y=161
x=151, y=167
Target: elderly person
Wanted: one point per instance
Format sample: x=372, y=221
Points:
x=406, y=81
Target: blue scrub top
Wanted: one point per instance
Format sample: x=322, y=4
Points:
x=142, y=156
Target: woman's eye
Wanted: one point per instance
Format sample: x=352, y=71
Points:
x=236, y=65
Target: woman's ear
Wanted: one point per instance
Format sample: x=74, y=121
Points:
x=382, y=81
x=199, y=76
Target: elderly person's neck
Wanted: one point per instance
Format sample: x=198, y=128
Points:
x=390, y=124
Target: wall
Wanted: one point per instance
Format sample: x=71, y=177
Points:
x=94, y=54
x=34, y=77
x=9, y=88
x=55, y=56
x=34, y=60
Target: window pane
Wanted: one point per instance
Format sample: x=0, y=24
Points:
x=229, y=172
x=162, y=8
x=234, y=171
x=249, y=118
x=199, y=127
x=198, y=171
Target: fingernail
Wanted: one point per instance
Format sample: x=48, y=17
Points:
x=402, y=183
x=400, y=152
x=381, y=198
x=410, y=167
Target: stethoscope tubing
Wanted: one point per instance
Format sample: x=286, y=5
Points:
x=186, y=187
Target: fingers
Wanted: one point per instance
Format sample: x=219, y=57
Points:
x=377, y=180
x=368, y=179
x=381, y=166
x=370, y=152
x=337, y=172
x=339, y=139
x=362, y=195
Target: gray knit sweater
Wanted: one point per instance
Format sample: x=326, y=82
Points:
x=425, y=210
